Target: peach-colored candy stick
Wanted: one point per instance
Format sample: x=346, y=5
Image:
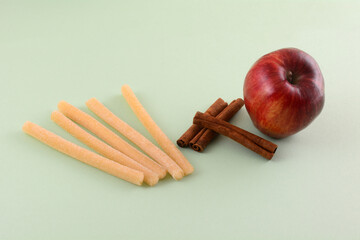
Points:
x=160, y=137
x=142, y=142
x=109, y=137
x=102, y=148
x=83, y=155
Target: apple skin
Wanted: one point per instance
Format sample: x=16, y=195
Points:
x=284, y=92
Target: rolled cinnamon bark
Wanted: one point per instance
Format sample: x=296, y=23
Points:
x=239, y=135
x=204, y=137
x=198, y=136
x=213, y=110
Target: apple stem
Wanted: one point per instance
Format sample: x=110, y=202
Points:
x=290, y=77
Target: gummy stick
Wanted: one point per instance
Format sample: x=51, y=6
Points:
x=82, y=154
x=102, y=148
x=134, y=136
x=109, y=137
x=160, y=137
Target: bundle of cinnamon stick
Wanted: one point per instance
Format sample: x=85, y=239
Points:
x=214, y=121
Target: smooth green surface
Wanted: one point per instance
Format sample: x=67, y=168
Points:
x=178, y=57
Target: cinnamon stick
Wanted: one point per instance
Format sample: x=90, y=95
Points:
x=255, y=143
x=204, y=137
x=213, y=110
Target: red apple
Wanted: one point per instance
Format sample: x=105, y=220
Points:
x=284, y=92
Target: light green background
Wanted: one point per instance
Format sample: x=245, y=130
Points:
x=178, y=56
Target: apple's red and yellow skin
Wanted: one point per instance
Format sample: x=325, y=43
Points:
x=284, y=92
